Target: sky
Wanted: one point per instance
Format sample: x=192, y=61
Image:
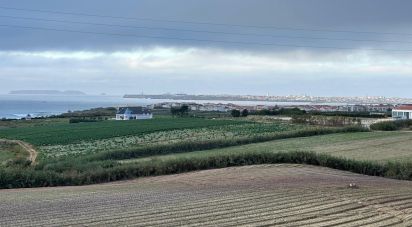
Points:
x=280, y=47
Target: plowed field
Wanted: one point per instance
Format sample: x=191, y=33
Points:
x=285, y=194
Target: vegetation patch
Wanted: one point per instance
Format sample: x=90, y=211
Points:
x=71, y=133
x=109, y=171
x=372, y=146
x=195, y=135
x=213, y=144
x=12, y=154
x=392, y=125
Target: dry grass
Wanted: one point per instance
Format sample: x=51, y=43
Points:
x=11, y=151
x=252, y=195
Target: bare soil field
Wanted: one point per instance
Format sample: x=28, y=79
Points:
x=283, y=194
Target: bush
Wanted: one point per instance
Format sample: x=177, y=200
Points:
x=17, y=178
x=245, y=113
x=180, y=111
x=235, y=113
x=78, y=120
x=95, y=112
x=391, y=125
x=350, y=114
x=281, y=111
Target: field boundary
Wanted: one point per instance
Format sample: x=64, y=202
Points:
x=185, y=147
x=20, y=178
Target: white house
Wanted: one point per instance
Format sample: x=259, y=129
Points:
x=133, y=113
x=28, y=117
x=402, y=112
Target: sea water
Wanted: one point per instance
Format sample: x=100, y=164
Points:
x=19, y=106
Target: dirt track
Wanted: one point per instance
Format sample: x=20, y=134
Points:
x=28, y=147
x=286, y=195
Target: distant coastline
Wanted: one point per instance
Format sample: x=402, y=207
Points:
x=46, y=92
x=267, y=98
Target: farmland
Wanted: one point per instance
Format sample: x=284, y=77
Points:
x=287, y=195
x=368, y=146
x=64, y=133
x=96, y=152
x=205, y=172
x=211, y=133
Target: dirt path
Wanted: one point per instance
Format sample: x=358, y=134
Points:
x=26, y=146
x=29, y=148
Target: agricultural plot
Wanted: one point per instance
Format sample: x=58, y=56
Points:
x=64, y=133
x=371, y=146
x=211, y=133
x=286, y=195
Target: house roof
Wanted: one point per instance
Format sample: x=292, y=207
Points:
x=404, y=107
x=133, y=110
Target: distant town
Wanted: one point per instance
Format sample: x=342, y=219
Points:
x=270, y=98
x=371, y=105
x=222, y=107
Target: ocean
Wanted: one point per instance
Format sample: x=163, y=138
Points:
x=18, y=106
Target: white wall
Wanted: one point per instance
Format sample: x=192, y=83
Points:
x=395, y=114
x=136, y=116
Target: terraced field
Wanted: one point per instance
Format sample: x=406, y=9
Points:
x=214, y=132
x=371, y=146
x=287, y=195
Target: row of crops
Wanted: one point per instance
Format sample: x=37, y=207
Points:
x=71, y=133
x=285, y=195
x=225, y=132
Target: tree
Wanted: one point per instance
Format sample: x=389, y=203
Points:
x=245, y=112
x=235, y=113
x=180, y=111
x=184, y=110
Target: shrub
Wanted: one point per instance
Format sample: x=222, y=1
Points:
x=245, y=113
x=79, y=120
x=16, y=178
x=391, y=125
x=235, y=113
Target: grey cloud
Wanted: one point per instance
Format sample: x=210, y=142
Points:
x=357, y=15
x=224, y=68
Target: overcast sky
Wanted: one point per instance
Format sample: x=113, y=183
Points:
x=314, y=47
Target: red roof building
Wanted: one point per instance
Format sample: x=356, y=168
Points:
x=403, y=107
x=402, y=112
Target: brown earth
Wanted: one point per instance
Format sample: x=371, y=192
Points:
x=284, y=194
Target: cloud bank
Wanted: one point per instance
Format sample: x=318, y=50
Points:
x=202, y=70
x=179, y=62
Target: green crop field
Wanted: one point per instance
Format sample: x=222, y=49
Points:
x=172, y=136
x=362, y=146
x=264, y=195
x=64, y=133
x=374, y=146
